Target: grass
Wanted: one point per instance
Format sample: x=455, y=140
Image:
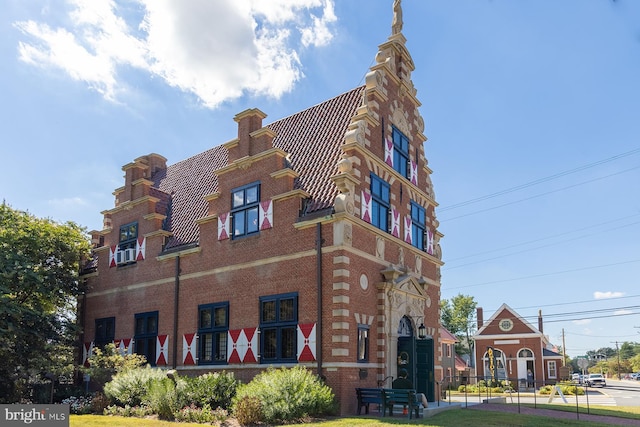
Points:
x=451, y=418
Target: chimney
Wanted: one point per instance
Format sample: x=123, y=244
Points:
x=248, y=121
x=540, y=321
x=479, y=317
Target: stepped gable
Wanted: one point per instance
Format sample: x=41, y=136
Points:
x=312, y=138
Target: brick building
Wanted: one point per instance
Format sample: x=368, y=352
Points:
x=517, y=347
x=311, y=240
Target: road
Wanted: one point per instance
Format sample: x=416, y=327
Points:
x=625, y=393
x=616, y=393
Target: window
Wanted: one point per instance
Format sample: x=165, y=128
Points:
x=278, y=328
x=244, y=210
x=446, y=350
x=379, y=203
x=105, y=331
x=213, y=325
x=128, y=236
x=146, y=335
x=551, y=364
x=400, y=153
x=363, y=343
x=126, y=253
x=495, y=361
x=417, y=225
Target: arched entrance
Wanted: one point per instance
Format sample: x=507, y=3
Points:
x=405, y=302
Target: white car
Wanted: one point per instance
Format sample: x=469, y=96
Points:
x=596, y=379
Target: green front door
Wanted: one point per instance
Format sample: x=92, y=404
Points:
x=425, y=382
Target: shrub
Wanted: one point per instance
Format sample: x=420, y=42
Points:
x=248, y=410
x=287, y=394
x=130, y=387
x=194, y=414
x=105, y=363
x=213, y=389
x=128, y=411
x=78, y=404
x=162, y=398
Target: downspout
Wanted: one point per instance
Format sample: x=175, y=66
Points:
x=319, y=242
x=176, y=305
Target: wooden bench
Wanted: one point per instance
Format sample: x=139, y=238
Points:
x=367, y=396
x=405, y=397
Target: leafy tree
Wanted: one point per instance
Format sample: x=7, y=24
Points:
x=457, y=317
x=39, y=266
x=105, y=363
x=629, y=349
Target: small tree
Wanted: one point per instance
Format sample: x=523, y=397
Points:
x=105, y=363
x=457, y=318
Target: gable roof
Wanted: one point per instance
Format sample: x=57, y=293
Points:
x=498, y=314
x=312, y=138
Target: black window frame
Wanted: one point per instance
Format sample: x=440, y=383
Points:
x=105, y=331
x=362, y=350
x=276, y=329
x=418, y=225
x=380, y=202
x=244, y=210
x=213, y=336
x=145, y=338
x=127, y=239
x=400, y=152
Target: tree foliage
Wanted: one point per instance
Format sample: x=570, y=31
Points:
x=456, y=316
x=39, y=267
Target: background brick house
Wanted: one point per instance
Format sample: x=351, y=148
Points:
x=311, y=240
x=517, y=347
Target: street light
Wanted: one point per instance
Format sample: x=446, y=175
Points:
x=422, y=330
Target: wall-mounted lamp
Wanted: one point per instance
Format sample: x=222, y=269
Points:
x=422, y=330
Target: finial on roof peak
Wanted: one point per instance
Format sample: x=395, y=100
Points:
x=396, y=24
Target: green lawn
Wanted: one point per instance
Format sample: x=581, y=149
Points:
x=451, y=418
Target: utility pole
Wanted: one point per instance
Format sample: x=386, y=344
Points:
x=618, y=351
x=564, y=351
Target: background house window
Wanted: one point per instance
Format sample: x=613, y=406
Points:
x=245, y=210
x=213, y=326
x=278, y=328
x=418, y=216
x=552, y=368
x=363, y=343
x=400, y=153
x=379, y=203
x=146, y=335
x=105, y=331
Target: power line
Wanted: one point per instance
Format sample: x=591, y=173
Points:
x=539, y=181
x=546, y=274
x=538, y=195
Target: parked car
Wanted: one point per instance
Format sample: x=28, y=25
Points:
x=596, y=379
x=576, y=378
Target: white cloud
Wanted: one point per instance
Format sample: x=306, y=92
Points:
x=608, y=294
x=582, y=322
x=216, y=50
x=622, y=312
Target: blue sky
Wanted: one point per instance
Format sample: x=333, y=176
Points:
x=532, y=113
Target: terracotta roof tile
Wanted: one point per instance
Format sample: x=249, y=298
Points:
x=311, y=137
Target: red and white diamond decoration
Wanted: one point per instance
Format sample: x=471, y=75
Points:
x=266, y=214
x=407, y=229
x=388, y=152
x=243, y=344
x=189, y=349
x=124, y=346
x=87, y=351
x=223, y=226
x=365, y=213
x=162, y=349
x=307, y=342
x=429, y=245
x=395, y=222
x=112, y=256
x=413, y=177
x=141, y=245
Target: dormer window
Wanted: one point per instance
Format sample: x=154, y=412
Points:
x=127, y=244
x=245, y=210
